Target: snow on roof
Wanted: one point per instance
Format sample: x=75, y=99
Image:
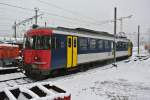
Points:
x=8, y=45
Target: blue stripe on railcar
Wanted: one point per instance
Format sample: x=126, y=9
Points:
x=58, y=45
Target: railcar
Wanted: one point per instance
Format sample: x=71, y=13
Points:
x=8, y=54
x=50, y=49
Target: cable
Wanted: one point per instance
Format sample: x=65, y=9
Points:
x=69, y=11
x=4, y=25
x=40, y=11
x=16, y=6
x=76, y=13
x=6, y=18
x=70, y=21
x=64, y=17
x=5, y=30
x=73, y=19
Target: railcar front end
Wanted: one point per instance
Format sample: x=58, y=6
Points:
x=37, y=52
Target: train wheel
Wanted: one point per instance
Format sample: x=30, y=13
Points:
x=36, y=76
x=83, y=68
x=27, y=73
x=39, y=77
x=2, y=64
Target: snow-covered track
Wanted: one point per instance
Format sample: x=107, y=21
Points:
x=16, y=81
x=8, y=70
x=35, y=91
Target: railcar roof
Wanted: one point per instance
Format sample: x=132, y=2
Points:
x=85, y=31
x=80, y=30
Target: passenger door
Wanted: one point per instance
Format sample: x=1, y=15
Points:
x=71, y=51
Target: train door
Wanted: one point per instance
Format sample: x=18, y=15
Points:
x=71, y=51
x=58, y=51
x=129, y=49
x=74, y=51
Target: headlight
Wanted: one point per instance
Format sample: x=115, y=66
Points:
x=36, y=58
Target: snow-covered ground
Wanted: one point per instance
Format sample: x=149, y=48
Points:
x=129, y=81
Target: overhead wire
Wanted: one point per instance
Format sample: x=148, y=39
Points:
x=58, y=7
x=96, y=22
x=6, y=18
x=23, y=8
x=52, y=14
x=72, y=22
x=66, y=10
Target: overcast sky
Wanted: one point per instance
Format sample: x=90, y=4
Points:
x=78, y=13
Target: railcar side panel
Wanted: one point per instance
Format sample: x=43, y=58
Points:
x=92, y=57
x=91, y=50
x=58, y=47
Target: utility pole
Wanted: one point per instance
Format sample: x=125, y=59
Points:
x=23, y=22
x=36, y=15
x=15, y=30
x=138, y=40
x=45, y=24
x=115, y=29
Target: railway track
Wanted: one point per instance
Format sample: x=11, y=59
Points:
x=32, y=91
x=8, y=70
x=19, y=81
x=11, y=80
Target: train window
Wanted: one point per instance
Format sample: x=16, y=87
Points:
x=42, y=42
x=120, y=45
x=92, y=44
x=29, y=42
x=83, y=43
x=75, y=42
x=58, y=43
x=117, y=45
x=62, y=44
x=125, y=45
x=53, y=42
x=69, y=42
x=38, y=42
x=106, y=44
x=112, y=45
x=100, y=44
x=47, y=42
